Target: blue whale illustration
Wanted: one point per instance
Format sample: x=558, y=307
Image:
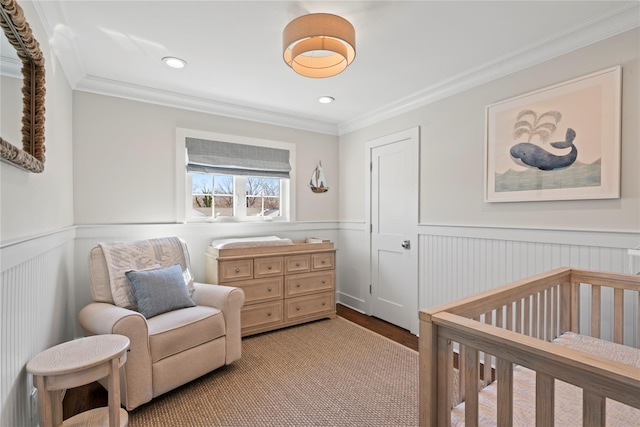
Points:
x=537, y=157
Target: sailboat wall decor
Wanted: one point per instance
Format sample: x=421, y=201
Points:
x=318, y=182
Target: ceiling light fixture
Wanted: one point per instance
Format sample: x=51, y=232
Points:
x=174, y=62
x=326, y=99
x=319, y=45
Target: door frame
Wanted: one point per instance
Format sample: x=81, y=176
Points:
x=411, y=133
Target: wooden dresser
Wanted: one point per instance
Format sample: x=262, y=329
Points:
x=283, y=285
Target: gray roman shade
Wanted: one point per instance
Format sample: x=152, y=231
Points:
x=227, y=158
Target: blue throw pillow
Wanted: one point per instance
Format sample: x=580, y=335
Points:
x=159, y=290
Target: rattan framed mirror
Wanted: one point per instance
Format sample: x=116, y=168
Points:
x=18, y=32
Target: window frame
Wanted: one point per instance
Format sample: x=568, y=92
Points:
x=184, y=182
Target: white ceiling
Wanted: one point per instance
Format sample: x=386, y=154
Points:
x=408, y=52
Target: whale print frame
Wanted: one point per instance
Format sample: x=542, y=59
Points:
x=557, y=143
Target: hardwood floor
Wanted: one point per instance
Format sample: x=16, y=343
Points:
x=94, y=395
x=379, y=326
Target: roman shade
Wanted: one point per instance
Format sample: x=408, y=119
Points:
x=227, y=158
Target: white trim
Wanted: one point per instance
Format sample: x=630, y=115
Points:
x=15, y=252
x=616, y=22
x=603, y=27
x=609, y=239
x=181, y=161
x=142, y=231
x=103, y=86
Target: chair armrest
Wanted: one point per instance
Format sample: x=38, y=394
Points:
x=218, y=296
x=229, y=300
x=103, y=318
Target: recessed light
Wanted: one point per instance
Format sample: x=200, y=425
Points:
x=174, y=62
x=326, y=99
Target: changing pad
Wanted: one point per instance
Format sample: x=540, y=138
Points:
x=250, y=242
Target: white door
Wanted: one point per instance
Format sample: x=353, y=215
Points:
x=394, y=202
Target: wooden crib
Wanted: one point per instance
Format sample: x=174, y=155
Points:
x=467, y=345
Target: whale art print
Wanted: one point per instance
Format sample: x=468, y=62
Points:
x=556, y=143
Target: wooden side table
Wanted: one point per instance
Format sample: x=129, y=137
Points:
x=75, y=363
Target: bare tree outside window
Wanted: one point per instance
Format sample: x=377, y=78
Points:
x=263, y=196
x=223, y=195
x=215, y=196
x=201, y=195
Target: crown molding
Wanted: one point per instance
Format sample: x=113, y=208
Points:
x=102, y=86
x=60, y=41
x=601, y=28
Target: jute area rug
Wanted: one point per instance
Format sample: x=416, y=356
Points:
x=326, y=373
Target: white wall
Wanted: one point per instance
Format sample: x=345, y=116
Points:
x=452, y=151
x=120, y=169
x=30, y=203
x=124, y=160
x=467, y=246
x=36, y=242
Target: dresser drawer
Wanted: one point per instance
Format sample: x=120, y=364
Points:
x=296, y=264
x=261, y=314
x=299, y=284
x=236, y=270
x=309, y=305
x=322, y=261
x=261, y=290
x=264, y=267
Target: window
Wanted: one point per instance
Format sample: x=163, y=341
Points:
x=245, y=180
x=215, y=196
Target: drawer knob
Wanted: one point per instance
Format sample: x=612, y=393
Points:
x=324, y=303
x=297, y=285
x=269, y=314
x=269, y=268
x=237, y=270
x=269, y=289
x=324, y=281
x=297, y=264
x=322, y=262
x=298, y=308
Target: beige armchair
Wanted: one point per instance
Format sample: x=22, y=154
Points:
x=167, y=349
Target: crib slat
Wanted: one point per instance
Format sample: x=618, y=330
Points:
x=555, y=294
x=471, y=387
x=486, y=358
x=618, y=315
x=565, y=307
x=461, y=377
x=519, y=316
x=527, y=316
x=575, y=307
x=544, y=400
x=549, y=314
x=593, y=410
x=505, y=392
x=509, y=324
x=541, y=316
x=534, y=316
x=596, y=298
x=445, y=380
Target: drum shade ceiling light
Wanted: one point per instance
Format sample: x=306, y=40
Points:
x=319, y=45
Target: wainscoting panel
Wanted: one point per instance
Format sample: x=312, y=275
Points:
x=462, y=262
x=36, y=299
x=352, y=281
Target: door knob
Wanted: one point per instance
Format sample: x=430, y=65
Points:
x=406, y=244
